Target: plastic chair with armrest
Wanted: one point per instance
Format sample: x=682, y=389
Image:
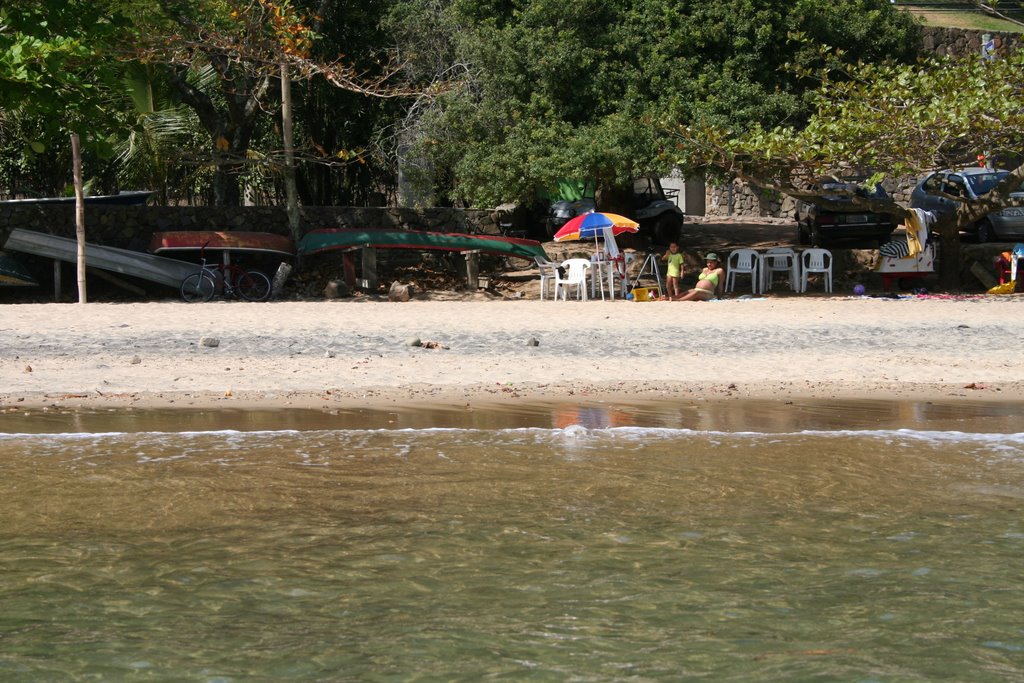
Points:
x=780, y=260
x=816, y=261
x=741, y=262
x=576, y=270
x=548, y=271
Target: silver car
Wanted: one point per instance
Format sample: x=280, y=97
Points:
x=971, y=183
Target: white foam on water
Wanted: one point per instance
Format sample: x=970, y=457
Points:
x=571, y=431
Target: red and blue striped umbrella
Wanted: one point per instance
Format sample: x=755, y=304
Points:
x=593, y=225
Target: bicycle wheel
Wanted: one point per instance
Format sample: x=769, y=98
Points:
x=197, y=287
x=253, y=285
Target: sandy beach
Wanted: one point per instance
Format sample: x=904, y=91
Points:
x=362, y=353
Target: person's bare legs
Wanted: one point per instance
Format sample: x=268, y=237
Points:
x=695, y=294
x=673, y=287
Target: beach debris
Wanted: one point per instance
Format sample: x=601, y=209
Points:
x=209, y=342
x=413, y=341
x=433, y=345
x=136, y=360
x=328, y=353
x=399, y=292
x=228, y=394
x=975, y=385
x=337, y=289
x=28, y=368
x=532, y=341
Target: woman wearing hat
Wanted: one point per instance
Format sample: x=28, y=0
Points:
x=707, y=281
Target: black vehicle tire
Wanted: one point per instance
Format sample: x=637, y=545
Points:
x=815, y=236
x=253, y=285
x=985, y=233
x=197, y=287
x=667, y=229
x=803, y=237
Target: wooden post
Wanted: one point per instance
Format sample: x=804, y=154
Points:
x=56, y=279
x=369, y=268
x=348, y=266
x=291, y=192
x=76, y=154
x=472, y=258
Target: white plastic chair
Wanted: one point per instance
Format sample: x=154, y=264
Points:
x=741, y=262
x=816, y=261
x=780, y=260
x=548, y=272
x=576, y=270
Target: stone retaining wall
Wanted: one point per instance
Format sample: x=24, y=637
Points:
x=740, y=200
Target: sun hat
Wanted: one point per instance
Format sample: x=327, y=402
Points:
x=711, y=257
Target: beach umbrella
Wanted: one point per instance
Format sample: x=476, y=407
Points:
x=595, y=224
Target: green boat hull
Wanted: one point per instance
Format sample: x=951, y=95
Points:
x=347, y=238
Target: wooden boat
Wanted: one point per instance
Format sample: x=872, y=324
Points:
x=166, y=271
x=13, y=272
x=130, y=198
x=317, y=241
x=223, y=240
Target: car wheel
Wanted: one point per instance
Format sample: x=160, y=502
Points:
x=815, y=236
x=667, y=228
x=802, y=236
x=985, y=233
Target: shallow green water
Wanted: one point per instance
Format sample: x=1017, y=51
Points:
x=533, y=551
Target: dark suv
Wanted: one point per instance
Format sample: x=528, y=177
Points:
x=819, y=225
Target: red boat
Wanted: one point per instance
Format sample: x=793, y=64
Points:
x=226, y=240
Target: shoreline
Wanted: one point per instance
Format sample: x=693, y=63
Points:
x=359, y=354
x=505, y=395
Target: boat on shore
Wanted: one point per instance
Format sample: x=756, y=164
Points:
x=224, y=240
x=130, y=198
x=14, y=273
x=317, y=241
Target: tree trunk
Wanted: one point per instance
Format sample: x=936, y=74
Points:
x=949, y=255
x=76, y=155
x=225, y=181
x=291, y=193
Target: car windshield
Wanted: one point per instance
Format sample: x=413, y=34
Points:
x=983, y=182
x=844, y=190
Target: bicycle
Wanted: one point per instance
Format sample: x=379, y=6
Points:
x=251, y=285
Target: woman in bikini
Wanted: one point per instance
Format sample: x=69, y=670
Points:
x=707, y=282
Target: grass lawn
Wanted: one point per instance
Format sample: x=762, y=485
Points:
x=964, y=15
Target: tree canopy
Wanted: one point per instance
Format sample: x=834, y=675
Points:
x=552, y=90
x=887, y=120
x=190, y=84
x=55, y=72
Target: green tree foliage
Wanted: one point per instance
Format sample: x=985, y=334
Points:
x=887, y=119
x=57, y=76
x=549, y=89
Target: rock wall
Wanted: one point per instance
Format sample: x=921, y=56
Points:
x=739, y=199
x=736, y=199
x=956, y=42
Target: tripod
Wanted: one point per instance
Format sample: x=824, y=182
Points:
x=650, y=267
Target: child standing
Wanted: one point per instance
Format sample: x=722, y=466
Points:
x=675, y=269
